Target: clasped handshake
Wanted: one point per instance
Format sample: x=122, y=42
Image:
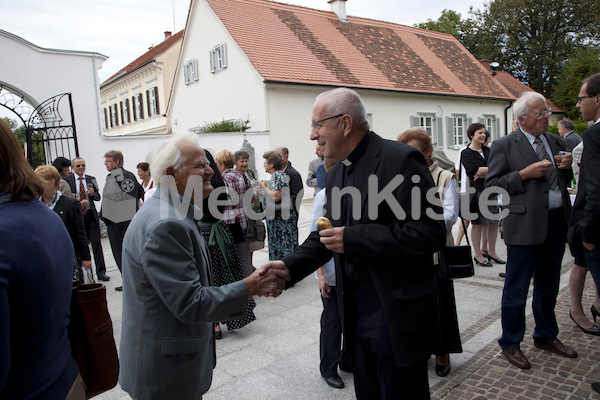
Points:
x=268, y=280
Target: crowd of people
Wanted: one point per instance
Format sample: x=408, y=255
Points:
x=187, y=266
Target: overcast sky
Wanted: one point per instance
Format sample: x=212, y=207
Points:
x=124, y=29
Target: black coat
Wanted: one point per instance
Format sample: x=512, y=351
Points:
x=396, y=252
x=69, y=211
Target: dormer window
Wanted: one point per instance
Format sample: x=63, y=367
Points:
x=218, y=58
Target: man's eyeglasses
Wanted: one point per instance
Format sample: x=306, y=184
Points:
x=318, y=124
x=540, y=114
x=108, y=161
x=581, y=98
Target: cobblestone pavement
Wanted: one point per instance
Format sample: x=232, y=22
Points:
x=277, y=356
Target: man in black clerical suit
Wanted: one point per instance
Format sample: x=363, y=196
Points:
x=86, y=191
x=382, y=244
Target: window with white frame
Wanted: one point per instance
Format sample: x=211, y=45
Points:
x=218, y=58
x=190, y=71
x=152, y=100
x=492, y=125
x=137, y=106
x=125, y=116
x=431, y=124
x=456, y=130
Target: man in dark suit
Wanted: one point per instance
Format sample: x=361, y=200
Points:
x=584, y=231
x=536, y=226
x=382, y=244
x=122, y=193
x=86, y=191
x=566, y=130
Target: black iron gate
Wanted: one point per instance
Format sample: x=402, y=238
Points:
x=49, y=127
x=50, y=131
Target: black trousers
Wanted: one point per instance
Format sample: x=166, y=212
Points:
x=116, y=233
x=92, y=230
x=376, y=375
x=330, y=342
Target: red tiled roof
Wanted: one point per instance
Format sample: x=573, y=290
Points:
x=516, y=87
x=294, y=44
x=146, y=57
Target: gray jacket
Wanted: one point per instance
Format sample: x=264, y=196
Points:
x=167, y=348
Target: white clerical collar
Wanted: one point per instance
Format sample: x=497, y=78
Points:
x=346, y=162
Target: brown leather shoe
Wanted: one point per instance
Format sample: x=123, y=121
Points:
x=558, y=348
x=516, y=357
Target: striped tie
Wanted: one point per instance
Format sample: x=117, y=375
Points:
x=540, y=151
x=82, y=196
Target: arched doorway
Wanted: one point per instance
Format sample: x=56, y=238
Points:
x=49, y=126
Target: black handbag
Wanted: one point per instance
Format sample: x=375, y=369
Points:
x=456, y=261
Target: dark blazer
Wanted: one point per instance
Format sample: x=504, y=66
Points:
x=396, y=251
x=585, y=218
x=472, y=161
x=72, y=181
x=527, y=221
x=69, y=211
x=572, y=139
x=114, y=182
x=296, y=185
x=36, y=275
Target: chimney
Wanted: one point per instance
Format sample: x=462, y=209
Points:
x=167, y=34
x=486, y=64
x=339, y=8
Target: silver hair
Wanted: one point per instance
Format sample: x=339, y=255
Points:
x=521, y=106
x=168, y=154
x=567, y=124
x=346, y=101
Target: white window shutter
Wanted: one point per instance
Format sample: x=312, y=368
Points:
x=194, y=70
x=211, y=58
x=415, y=121
x=186, y=73
x=449, y=132
x=223, y=55
x=469, y=121
x=439, y=132
x=497, y=133
x=481, y=120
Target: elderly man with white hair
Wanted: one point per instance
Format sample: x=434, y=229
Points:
x=527, y=164
x=169, y=306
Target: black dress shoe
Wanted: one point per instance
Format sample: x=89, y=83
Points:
x=335, y=381
x=442, y=370
x=594, y=330
x=502, y=274
x=103, y=277
x=218, y=335
x=119, y=288
x=596, y=386
x=483, y=264
x=595, y=313
x=496, y=260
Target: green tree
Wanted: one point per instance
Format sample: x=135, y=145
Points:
x=532, y=39
x=19, y=131
x=585, y=63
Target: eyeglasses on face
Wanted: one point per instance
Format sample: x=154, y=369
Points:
x=540, y=114
x=108, y=161
x=581, y=98
x=318, y=124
